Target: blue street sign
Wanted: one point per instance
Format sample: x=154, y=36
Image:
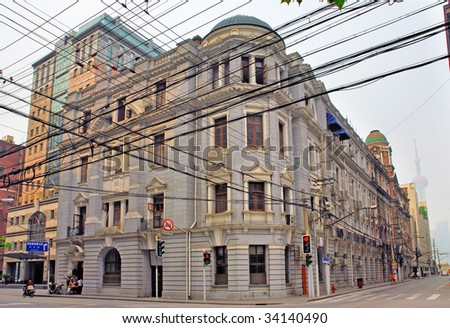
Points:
x=37, y=246
x=325, y=260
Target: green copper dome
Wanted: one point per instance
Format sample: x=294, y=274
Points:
x=241, y=20
x=376, y=136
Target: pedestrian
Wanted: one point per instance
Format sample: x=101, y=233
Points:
x=68, y=279
x=80, y=285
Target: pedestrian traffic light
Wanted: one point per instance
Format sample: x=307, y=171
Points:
x=206, y=258
x=160, y=248
x=306, y=244
x=308, y=260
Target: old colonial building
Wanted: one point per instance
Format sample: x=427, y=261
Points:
x=224, y=145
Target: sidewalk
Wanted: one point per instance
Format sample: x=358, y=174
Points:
x=298, y=300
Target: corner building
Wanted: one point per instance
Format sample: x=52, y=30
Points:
x=219, y=135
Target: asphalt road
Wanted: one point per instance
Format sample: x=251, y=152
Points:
x=431, y=292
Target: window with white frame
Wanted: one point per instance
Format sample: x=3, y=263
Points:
x=255, y=136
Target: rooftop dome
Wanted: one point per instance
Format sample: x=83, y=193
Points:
x=241, y=20
x=376, y=136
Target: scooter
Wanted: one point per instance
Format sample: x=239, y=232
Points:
x=55, y=288
x=28, y=291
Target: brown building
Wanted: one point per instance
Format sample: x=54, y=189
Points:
x=11, y=159
x=399, y=229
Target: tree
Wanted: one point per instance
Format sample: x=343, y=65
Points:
x=339, y=3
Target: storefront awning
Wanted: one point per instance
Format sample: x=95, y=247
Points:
x=337, y=127
x=24, y=256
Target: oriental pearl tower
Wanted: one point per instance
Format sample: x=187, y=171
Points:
x=420, y=181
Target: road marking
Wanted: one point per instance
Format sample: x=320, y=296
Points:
x=343, y=298
x=433, y=297
x=394, y=297
x=442, y=286
x=374, y=298
x=361, y=297
x=413, y=297
x=15, y=304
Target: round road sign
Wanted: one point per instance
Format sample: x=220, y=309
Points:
x=168, y=225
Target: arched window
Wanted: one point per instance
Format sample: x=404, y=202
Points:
x=36, y=227
x=113, y=265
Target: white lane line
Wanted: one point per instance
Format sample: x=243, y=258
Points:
x=394, y=297
x=413, y=297
x=433, y=297
x=361, y=297
x=335, y=300
x=442, y=286
x=15, y=304
x=379, y=296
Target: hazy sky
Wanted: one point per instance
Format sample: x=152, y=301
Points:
x=408, y=106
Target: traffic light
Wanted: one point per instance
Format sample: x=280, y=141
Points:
x=206, y=258
x=308, y=260
x=160, y=248
x=306, y=244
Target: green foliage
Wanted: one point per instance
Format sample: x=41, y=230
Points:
x=424, y=212
x=339, y=3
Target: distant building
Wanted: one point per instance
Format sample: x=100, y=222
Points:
x=11, y=161
x=400, y=229
x=72, y=68
x=420, y=229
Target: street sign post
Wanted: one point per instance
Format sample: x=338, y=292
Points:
x=37, y=246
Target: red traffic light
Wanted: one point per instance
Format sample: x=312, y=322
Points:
x=306, y=244
x=206, y=258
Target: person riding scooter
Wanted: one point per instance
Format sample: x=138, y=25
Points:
x=28, y=289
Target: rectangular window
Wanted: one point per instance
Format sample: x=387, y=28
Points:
x=257, y=262
x=256, y=196
x=286, y=206
x=255, y=131
x=220, y=132
x=78, y=222
x=215, y=75
x=287, y=265
x=84, y=124
x=52, y=214
x=158, y=149
x=158, y=210
x=281, y=138
x=84, y=170
x=226, y=72
x=105, y=213
x=120, y=57
x=160, y=93
x=221, y=265
x=259, y=71
x=245, y=64
x=117, y=213
x=221, y=198
x=121, y=109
